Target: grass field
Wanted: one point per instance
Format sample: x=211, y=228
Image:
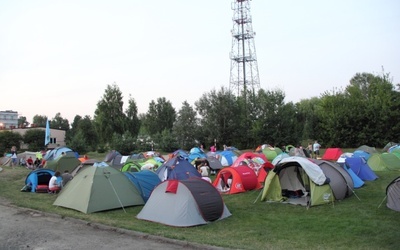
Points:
x=353, y=223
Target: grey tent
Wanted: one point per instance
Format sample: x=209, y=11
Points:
x=393, y=194
x=184, y=203
x=340, y=180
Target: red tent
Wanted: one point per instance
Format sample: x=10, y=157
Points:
x=332, y=154
x=232, y=180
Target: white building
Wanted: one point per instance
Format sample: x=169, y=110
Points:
x=8, y=119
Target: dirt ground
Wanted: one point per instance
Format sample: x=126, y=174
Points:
x=29, y=229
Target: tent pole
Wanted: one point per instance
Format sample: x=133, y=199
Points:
x=258, y=196
x=382, y=201
x=119, y=200
x=353, y=192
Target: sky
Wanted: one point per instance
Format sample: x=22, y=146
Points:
x=59, y=56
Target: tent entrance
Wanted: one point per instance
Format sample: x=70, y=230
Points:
x=294, y=185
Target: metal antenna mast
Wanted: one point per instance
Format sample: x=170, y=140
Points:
x=244, y=68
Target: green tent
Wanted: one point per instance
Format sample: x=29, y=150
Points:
x=271, y=153
x=384, y=162
x=62, y=163
x=296, y=180
x=99, y=188
x=131, y=166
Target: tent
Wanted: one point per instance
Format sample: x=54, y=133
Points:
x=111, y=155
x=184, y=203
x=271, y=152
x=145, y=181
x=56, y=152
x=361, y=153
x=256, y=161
x=342, y=163
x=232, y=180
x=131, y=166
x=360, y=168
x=83, y=165
x=297, y=180
x=393, y=195
x=368, y=149
x=279, y=157
x=341, y=183
x=62, y=163
x=332, y=154
x=98, y=188
x=214, y=163
x=226, y=157
x=37, y=177
x=177, y=168
x=384, y=162
x=195, y=153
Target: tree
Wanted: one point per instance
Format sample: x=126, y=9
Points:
x=59, y=123
x=35, y=139
x=133, y=122
x=9, y=139
x=22, y=122
x=160, y=116
x=84, y=135
x=109, y=117
x=219, y=113
x=186, y=126
x=39, y=120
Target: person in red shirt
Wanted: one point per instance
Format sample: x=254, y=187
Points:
x=29, y=163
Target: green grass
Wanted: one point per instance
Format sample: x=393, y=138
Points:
x=347, y=224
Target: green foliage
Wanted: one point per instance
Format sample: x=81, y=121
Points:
x=109, y=117
x=219, y=112
x=9, y=139
x=35, y=139
x=22, y=122
x=166, y=141
x=133, y=122
x=40, y=120
x=186, y=127
x=125, y=144
x=160, y=116
x=59, y=123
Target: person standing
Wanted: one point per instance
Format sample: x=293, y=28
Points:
x=14, y=156
x=316, y=147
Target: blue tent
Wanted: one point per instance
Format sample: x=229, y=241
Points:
x=196, y=153
x=37, y=177
x=55, y=153
x=356, y=180
x=361, y=169
x=177, y=168
x=145, y=181
x=361, y=153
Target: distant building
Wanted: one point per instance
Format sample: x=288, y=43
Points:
x=57, y=137
x=8, y=119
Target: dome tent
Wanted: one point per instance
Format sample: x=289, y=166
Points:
x=184, y=203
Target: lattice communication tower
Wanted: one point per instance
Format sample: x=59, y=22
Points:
x=244, y=68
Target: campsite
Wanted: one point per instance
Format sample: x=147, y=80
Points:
x=361, y=221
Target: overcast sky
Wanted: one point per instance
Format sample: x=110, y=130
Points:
x=59, y=56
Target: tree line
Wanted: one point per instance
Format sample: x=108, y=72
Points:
x=366, y=112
